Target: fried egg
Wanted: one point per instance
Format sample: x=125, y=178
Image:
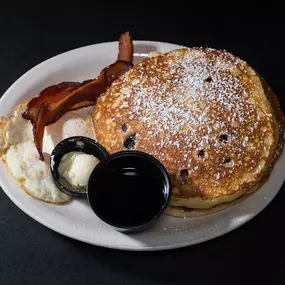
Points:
x=19, y=153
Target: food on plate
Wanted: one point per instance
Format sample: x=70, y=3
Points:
x=29, y=136
x=76, y=167
x=120, y=187
x=56, y=100
x=19, y=153
x=205, y=114
x=72, y=161
x=126, y=48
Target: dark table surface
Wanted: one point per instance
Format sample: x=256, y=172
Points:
x=32, y=254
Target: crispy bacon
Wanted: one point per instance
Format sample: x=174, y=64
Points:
x=126, y=48
x=49, y=93
x=58, y=99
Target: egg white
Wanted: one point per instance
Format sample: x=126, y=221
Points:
x=18, y=151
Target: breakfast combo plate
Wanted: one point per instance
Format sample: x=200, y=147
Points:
x=140, y=145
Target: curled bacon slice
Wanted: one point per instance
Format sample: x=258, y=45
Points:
x=56, y=100
x=126, y=49
x=59, y=90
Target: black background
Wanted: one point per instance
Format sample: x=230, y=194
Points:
x=33, y=254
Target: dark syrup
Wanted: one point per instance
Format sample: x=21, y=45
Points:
x=131, y=192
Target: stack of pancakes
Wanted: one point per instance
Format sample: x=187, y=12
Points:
x=206, y=115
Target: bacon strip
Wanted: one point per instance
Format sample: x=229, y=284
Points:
x=56, y=100
x=126, y=48
x=59, y=90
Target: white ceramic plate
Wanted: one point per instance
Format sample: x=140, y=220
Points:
x=77, y=220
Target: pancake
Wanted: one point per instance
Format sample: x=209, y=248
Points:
x=205, y=114
x=188, y=212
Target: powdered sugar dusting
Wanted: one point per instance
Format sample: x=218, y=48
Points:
x=196, y=94
x=183, y=104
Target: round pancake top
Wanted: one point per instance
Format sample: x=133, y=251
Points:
x=202, y=112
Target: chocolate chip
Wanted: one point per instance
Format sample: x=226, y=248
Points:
x=227, y=160
x=183, y=176
x=224, y=138
x=209, y=79
x=124, y=127
x=201, y=153
x=130, y=142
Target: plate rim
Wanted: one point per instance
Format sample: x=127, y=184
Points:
x=56, y=229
